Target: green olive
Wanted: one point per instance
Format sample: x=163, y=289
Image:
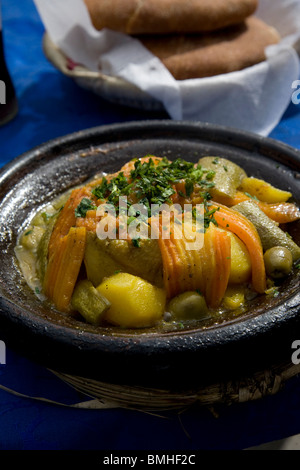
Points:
x=188, y=306
x=278, y=262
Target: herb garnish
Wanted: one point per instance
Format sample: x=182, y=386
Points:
x=84, y=206
x=251, y=196
x=152, y=182
x=136, y=242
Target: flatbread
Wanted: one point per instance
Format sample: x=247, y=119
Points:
x=168, y=16
x=206, y=55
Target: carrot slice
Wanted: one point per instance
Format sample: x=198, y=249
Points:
x=64, y=267
x=89, y=221
x=245, y=230
x=53, y=267
x=221, y=273
x=66, y=218
x=69, y=267
x=281, y=212
x=206, y=269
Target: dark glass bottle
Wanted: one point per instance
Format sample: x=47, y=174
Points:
x=8, y=100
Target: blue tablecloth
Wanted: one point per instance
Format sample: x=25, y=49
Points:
x=51, y=105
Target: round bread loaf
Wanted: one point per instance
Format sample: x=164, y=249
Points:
x=209, y=54
x=168, y=16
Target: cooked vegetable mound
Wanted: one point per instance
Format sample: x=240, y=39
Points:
x=161, y=241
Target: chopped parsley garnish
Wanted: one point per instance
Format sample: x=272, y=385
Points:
x=189, y=187
x=251, y=196
x=152, y=182
x=84, y=206
x=136, y=242
x=209, y=217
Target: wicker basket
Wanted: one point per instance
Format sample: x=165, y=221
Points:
x=261, y=384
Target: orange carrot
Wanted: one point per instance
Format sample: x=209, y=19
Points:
x=64, y=267
x=66, y=218
x=245, y=230
x=209, y=264
x=89, y=221
x=281, y=212
x=69, y=267
x=180, y=197
x=206, y=269
x=173, y=254
x=220, y=275
x=53, y=267
x=232, y=201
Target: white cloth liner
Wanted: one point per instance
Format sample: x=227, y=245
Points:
x=253, y=99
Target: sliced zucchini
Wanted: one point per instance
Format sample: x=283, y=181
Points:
x=89, y=302
x=228, y=176
x=269, y=231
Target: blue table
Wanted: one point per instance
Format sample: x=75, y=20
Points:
x=51, y=105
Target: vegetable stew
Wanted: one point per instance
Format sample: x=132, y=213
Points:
x=161, y=241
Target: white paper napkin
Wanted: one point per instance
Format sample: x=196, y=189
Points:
x=253, y=99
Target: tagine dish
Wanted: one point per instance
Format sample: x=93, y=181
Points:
x=161, y=241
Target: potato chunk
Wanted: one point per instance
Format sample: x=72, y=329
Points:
x=264, y=191
x=234, y=297
x=240, y=270
x=135, y=303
